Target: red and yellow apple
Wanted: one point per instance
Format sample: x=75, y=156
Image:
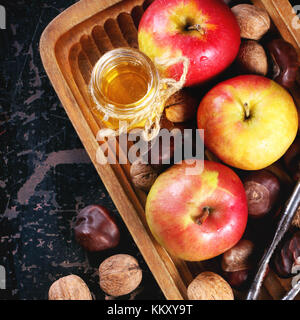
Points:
x=206, y=32
x=249, y=121
x=197, y=216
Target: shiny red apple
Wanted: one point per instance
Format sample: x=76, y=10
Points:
x=206, y=32
x=197, y=216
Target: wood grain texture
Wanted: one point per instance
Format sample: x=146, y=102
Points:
x=70, y=47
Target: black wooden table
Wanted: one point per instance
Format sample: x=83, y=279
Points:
x=45, y=174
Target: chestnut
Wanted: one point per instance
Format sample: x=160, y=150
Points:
x=262, y=189
x=241, y=280
x=95, y=229
x=162, y=153
x=285, y=62
x=237, y=263
x=292, y=159
x=158, y=155
x=287, y=255
x=238, y=279
x=238, y=257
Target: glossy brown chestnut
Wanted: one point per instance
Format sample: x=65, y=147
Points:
x=262, y=189
x=158, y=155
x=285, y=62
x=162, y=153
x=237, y=279
x=292, y=159
x=95, y=229
x=237, y=263
x=241, y=280
x=240, y=257
x=288, y=255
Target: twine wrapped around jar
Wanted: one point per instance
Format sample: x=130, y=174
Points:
x=152, y=112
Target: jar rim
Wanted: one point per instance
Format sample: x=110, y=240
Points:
x=136, y=56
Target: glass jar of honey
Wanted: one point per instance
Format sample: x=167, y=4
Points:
x=125, y=88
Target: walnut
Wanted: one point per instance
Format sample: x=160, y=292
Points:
x=70, y=287
x=181, y=107
x=143, y=175
x=119, y=275
x=254, y=22
x=209, y=286
x=252, y=58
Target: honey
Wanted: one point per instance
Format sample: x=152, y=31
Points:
x=124, y=87
x=125, y=84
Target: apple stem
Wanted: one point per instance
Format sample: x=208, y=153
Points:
x=247, y=110
x=196, y=27
x=203, y=216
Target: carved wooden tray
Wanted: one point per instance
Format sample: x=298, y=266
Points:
x=70, y=46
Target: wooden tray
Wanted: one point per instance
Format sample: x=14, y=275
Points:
x=70, y=46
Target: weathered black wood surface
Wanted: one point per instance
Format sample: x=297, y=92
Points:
x=45, y=174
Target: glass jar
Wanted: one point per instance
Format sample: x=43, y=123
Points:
x=125, y=86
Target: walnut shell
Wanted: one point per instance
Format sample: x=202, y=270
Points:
x=143, y=175
x=254, y=22
x=119, y=275
x=181, y=107
x=252, y=58
x=209, y=286
x=70, y=287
